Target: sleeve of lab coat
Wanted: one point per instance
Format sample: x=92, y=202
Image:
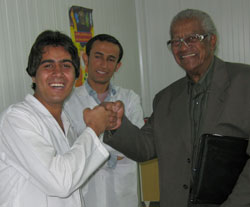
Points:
x=134, y=110
x=37, y=160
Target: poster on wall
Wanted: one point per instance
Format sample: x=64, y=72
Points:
x=81, y=30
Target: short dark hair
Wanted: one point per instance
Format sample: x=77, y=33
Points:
x=51, y=38
x=107, y=38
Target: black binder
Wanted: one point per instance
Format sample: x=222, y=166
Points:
x=220, y=161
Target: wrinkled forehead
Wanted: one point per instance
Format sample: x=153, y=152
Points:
x=185, y=27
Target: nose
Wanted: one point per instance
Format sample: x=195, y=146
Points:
x=104, y=63
x=183, y=44
x=58, y=70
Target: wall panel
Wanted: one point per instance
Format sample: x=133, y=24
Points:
x=159, y=68
x=22, y=20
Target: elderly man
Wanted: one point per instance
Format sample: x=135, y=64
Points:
x=43, y=163
x=212, y=98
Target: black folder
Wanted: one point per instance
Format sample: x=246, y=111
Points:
x=220, y=161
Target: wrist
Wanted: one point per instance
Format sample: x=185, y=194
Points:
x=95, y=129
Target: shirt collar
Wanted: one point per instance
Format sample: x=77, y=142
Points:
x=111, y=90
x=205, y=80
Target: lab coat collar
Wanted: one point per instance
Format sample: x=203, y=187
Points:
x=40, y=108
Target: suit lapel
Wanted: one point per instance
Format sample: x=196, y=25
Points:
x=216, y=96
x=179, y=111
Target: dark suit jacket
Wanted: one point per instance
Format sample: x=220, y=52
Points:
x=167, y=134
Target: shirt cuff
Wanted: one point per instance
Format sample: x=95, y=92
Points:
x=112, y=161
x=97, y=141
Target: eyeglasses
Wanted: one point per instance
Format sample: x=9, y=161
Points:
x=188, y=41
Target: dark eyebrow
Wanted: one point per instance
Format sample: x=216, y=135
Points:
x=52, y=61
x=66, y=60
x=47, y=61
x=98, y=53
x=109, y=56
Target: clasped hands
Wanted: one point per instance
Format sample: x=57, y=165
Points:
x=106, y=116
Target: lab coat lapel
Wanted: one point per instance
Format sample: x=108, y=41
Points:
x=88, y=100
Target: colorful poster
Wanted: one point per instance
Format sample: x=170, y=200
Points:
x=81, y=29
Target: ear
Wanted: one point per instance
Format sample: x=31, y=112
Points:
x=213, y=40
x=118, y=66
x=85, y=60
x=33, y=79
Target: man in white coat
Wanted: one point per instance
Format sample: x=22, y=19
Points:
x=42, y=162
x=115, y=184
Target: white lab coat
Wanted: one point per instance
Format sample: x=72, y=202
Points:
x=109, y=187
x=38, y=168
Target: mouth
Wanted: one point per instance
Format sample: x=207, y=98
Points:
x=101, y=72
x=57, y=85
x=187, y=56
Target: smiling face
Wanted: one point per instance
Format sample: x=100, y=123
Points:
x=101, y=64
x=54, y=78
x=195, y=58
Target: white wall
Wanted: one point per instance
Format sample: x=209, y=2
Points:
x=22, y=20
x=146, y=68
x=231, y=17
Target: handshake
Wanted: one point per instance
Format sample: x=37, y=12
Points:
x=106, y=116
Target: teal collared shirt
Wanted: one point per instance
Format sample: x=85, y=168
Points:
x=92, y=92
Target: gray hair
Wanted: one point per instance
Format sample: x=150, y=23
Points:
x=206, y=21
